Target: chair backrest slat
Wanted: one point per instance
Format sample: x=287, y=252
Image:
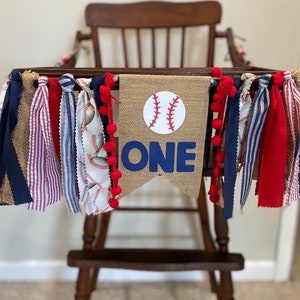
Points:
x=168, y=48
x=182, y=46
x=124, y=44
x=139, y=45
x=153, y=47
x=153, y=15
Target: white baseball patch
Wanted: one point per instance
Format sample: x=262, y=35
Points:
x=164, y=112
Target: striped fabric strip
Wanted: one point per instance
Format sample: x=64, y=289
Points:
x=95, y=156
x=291, y=96
x=257, y=120
x=245, y=105
x=82, y=181
x=42, y=174
x=2, y=95
x=67, y=142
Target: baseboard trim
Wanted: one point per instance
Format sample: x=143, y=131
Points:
x=56, y=270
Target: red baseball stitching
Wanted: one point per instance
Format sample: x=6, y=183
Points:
x=170, y=113
x=156, y=110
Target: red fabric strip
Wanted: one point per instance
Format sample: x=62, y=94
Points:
x=55, y=92
x=273, y=150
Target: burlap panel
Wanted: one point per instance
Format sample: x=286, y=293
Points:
x=134, y=92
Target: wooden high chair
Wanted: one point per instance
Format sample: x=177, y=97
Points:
x=150, y=19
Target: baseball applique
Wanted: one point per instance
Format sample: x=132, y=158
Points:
x=164, y=112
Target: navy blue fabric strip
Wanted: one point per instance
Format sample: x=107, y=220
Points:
x=212, y=91
x=9, y=160
x=96, y=83
x=3, y=125
x=231, y=141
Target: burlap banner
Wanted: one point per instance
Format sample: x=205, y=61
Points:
x=162, y=124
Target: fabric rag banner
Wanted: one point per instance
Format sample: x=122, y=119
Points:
x=162, y=125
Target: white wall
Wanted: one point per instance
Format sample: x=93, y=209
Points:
x=35, y=33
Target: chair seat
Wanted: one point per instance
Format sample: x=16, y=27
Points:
x=156, y=259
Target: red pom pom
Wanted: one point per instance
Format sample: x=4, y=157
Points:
x=216, y=141
x=220, y=157
x=215, y=107
x=217, y=171
x=113, y=203
x=214, y=198
x=111, y=160
x=104, y=91
x=103, y=110
x=216, y=123
x=109, y=146
x=227, y=82
x=111, y=128
x=216, y=72
x=232, y=91
x=109, y=79
x=116, y=174
x=219, y=97
x=214, y=189
x=116, y=190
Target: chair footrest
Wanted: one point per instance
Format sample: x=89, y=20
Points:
x=156, y=260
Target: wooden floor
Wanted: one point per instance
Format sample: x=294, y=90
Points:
x=289, y=290
x=150, y=291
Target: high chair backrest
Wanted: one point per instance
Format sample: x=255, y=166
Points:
x=147, y=20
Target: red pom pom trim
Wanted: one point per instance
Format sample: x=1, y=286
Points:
x=103, y=110
x=111, y=128
x=116, y=174
x=216, y=72
x=105, y=92
x=216, y=123
x=215, y=107
x=109, y=79
x=214, y=198
x=227, y=82
x=113, y=203
x=111, y=160
x=232, y=91
x=217, y=171
x=110, y=145
x=216, y=141
x=214, y=189
x=220, y=157
x=219, y=97
x=116, y=190
x=224, y=89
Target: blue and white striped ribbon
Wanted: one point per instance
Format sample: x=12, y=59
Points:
x=256, y=124
x=67, y=142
